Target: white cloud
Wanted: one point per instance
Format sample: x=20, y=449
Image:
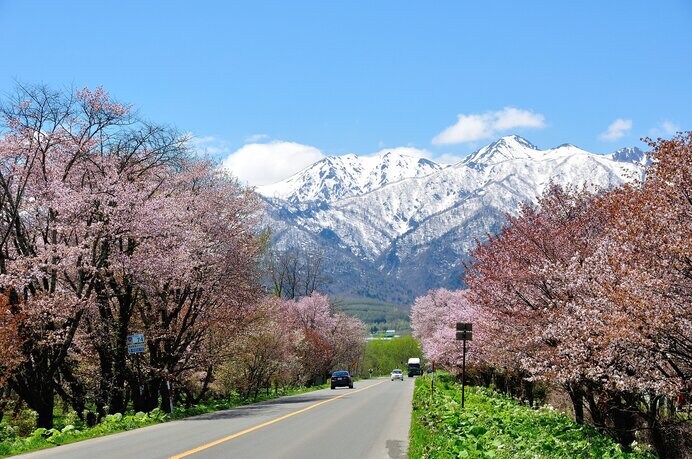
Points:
x=617, y=130
x=264, y=163
x=669, y=128
x=510, y=118
x=664, y=129
x=474, y=127
x=209, y=145
x=256, y=138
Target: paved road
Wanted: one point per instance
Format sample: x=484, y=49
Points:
x=370, y=421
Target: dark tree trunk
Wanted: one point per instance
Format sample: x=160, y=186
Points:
x=45, y=410
x=527, y=391
x=597, y=410
x=146, y=396
x=106, y=376
x=117, y=394
x=112, y=334
x=207, y=380
x=624, y=415
x=39, y=395
x=165, y=397
x=76, y=396
x=658, y=439
x=34, y=379
x=577, y=397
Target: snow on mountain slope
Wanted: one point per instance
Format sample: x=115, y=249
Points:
x=630, y=155
x=408, y=224
x=338, y=177
x=504, y=149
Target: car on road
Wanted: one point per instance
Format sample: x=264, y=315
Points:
x=341, y=378
x=397, y=374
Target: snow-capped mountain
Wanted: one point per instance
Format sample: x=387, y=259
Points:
x=630, y=155
x=393, y=226
x=339, y=177
x=503, y=149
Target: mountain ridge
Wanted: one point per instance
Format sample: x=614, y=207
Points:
x=394, y=239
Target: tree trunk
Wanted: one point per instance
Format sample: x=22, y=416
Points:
x=147, y=398
x=597, y=411
x=76, y=396
x=112, y=344
x=45, y=409
x=106, y=376
x=37, y=391
x=117, y=395
x=527, y=391
x=205, y=385
x=624, y=420
x=39, y=396
x=165, y=397
x=577, y=397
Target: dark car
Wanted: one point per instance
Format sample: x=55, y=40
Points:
x=341, y=379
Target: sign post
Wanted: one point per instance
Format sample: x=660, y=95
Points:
x=464, y=333
x=136, y=346
x=135, y=343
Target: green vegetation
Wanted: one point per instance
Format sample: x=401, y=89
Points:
x=382, y=356
x=377, y=315
x=41, y=438
x=494, y=426
x=15, y=439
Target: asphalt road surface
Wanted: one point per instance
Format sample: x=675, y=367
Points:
x=370, y=421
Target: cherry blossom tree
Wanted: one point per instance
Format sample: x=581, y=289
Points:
x=593, y=292
x=9, y=339
x=200, y=275
x=48, y=250
x=433, y=321
x=108, y=225
x=644, y=272
x=260, y=354
x=651, y=259
x=323, y=340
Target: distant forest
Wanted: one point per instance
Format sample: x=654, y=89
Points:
x=377, y=315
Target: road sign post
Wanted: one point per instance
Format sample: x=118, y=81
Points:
x=136, y=343
x=464, y=333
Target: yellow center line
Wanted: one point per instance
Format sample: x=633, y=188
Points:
x=265, y=424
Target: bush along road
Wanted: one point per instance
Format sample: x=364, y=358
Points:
x=494, y=426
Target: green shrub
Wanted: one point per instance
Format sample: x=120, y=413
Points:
x=25, y=422
x=495, y=426
x=113, y=418
x=7, y=432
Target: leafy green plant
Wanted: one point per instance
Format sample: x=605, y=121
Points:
x=24, y=422
x=494, y=426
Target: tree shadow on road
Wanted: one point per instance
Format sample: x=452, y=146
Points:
x=256, y=408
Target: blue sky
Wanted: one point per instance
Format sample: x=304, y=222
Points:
x=288, y=82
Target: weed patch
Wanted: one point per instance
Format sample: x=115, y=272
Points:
x=492, y=426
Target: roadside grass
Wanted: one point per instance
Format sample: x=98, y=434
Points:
x=494, y=426
x=69, y=429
